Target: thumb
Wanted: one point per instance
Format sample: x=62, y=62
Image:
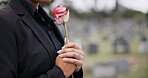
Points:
x=66, y=41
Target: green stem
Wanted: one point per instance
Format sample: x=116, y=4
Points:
x=66, y=32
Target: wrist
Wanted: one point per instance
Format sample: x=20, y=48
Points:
x=77, y=69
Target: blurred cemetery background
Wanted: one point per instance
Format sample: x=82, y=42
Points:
x=113, y=34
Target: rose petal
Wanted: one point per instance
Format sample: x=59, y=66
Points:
x=60, y=14
x=58, y=7
x=63, y=9
x=66, y=17
x=59, y=20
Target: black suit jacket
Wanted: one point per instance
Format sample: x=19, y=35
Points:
x=25, y=50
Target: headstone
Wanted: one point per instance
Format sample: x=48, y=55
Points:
x=122, y=65
x=143, y=47
x=104, y=70
x=3, y=3
x=92, y=48
x=121, y=46
x=111, y=68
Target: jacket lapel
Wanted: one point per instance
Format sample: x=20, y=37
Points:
x=32, y=24
x=40, y=34
x=52, y=24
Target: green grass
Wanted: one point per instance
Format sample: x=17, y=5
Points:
x=138, y=68
x=138, y=62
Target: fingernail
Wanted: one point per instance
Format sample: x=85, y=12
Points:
x=65, y=59
x=59, y=51
x=65, y=39
x=63, y=47
x=62, y=55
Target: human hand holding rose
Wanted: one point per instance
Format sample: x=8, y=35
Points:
x=70, y=52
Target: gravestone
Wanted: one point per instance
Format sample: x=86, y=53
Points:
x=121, y=46
x=122, y=65
x=104, y=70
x=110, y=68
x=143, y=47
x=92, y=48
x=3, y=3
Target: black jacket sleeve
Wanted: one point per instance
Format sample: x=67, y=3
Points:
x=8, y=50
x=78, y=74
x=56, y=72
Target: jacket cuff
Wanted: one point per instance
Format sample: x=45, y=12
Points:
x=78, y=74
x=57, y=72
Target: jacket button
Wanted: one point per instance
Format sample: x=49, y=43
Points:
x=49, y=32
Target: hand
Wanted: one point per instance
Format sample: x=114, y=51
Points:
x=67, y=68
x=72, y=53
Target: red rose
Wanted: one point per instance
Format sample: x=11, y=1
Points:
x=60, y=14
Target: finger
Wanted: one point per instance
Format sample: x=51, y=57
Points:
x=72, y=44
x=73, y=61
x=66, y=41
x=60, y=52
x=72, y=50
x=72, y=55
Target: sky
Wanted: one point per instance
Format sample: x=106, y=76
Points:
x=107, y=5
x=138, y=5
